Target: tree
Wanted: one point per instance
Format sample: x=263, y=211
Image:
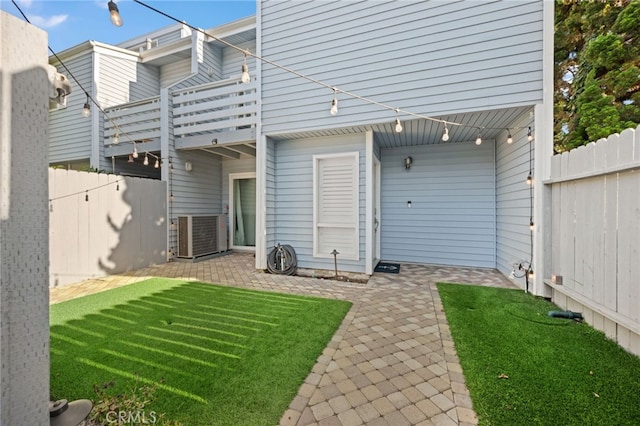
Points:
x=597, y=70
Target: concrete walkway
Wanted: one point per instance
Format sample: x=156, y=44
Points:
x=391, y=362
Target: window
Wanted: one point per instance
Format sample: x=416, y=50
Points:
x=335, y=205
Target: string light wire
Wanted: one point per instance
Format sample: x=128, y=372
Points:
x=309, y=78
x=246, y=53
x=90, y=98
x=86, y=191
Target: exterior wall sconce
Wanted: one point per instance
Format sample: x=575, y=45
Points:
x=407, y=163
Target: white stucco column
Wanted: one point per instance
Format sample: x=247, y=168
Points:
x=24, y=224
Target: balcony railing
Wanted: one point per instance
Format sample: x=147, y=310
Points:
x=139, y=120
x=200, y=115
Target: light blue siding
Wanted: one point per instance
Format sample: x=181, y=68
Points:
x=513, y=198
x=172, y=36
x=429, y=57
x=198, y=192
x=293, y=197
x=69, y=131
x=174, y=71
x=122, y=80
x=232, y=60
x=451, y=220
x=209, y=68
x=125, y=80
x=146, y=83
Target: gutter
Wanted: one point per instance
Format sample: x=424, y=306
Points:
x=87, y=46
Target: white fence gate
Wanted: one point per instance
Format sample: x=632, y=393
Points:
x=596, y=234
x=102, y=224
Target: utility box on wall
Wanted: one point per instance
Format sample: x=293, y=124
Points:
x=201, y=235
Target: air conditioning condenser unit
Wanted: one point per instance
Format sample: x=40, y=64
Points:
x=201, y=235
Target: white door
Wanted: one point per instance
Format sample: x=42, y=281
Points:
x=242, y=211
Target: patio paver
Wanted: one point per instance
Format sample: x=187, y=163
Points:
x=392, y=360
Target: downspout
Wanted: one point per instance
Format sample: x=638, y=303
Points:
x=167, y=149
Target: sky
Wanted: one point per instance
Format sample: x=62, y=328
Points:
x=72, y=22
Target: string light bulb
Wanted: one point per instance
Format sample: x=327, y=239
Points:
x=529, y=135
x=398, y=123
x=479, y=139
x=130, y=160
x=135, y=151
x=398, y=126
x=146, y=160
x=245, y=78
x=529, y=179
x=116, y=19
x=509, y=137
x=86, y=109
x=531, y=225
x=334, y=103
x=157, y=164
x=116, y=139
x=445, y=134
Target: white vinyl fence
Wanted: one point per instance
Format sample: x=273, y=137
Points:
x=596, y=234
x=102, y=224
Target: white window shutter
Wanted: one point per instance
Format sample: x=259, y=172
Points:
x=336, y=196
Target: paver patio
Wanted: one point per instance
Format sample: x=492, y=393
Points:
x=391, y=362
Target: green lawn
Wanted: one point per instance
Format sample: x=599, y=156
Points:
x=221, y=355
x=524, y=368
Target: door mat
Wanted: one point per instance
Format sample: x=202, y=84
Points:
x=393, y=268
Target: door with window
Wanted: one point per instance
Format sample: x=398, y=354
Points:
x=242, y=211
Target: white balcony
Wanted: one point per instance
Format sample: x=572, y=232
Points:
x=219, y=113
x=218, y=116
x=133, y=121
